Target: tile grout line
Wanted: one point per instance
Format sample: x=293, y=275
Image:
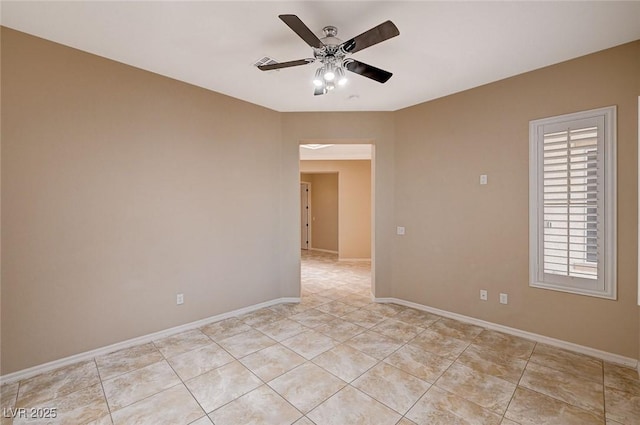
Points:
x=164, y=359
x=104, y=393
x=574, y=374
x=20, y=384
x=449, y=367
x=431, y=385
x=267, y=383
x=520, y=379
x=236, y=359
x=284, y=398
x=181, y=380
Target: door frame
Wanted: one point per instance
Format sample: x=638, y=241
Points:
x=309, y=221
x=354, y=141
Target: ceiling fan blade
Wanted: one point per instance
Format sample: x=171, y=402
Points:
x=377, y=74
x=375, y=35
x=285, y=64
x=302, y=30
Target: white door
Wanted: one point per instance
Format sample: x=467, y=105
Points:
x=305, y=230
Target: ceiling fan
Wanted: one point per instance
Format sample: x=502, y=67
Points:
x=333, y=53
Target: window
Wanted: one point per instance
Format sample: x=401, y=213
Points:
x=572, y=203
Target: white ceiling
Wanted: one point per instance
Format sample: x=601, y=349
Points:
x=443, y=47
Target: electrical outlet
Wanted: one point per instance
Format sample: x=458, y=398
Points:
x=483, y=294
x=504, y=299
x=483, y=179
x=400, y=230
x=180, y=299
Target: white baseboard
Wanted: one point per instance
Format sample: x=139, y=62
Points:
x=364, y=260
x=323, y=250
x=88, y=355
x=593, y=352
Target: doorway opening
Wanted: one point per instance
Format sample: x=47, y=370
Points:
x=336, y=204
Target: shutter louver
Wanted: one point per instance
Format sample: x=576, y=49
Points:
x=571, y=194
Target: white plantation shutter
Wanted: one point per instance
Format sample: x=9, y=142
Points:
x=572, y=197
x=570, y=201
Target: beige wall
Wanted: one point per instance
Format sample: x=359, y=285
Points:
x=354, y=204
x=121, y=188
x=462, y=237
x=324, y=210
x=0, y=210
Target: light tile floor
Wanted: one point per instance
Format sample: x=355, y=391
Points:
x=336, y=358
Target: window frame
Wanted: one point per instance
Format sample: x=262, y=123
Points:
x=606, y=271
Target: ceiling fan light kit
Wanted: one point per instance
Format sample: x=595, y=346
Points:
x=333, y=54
